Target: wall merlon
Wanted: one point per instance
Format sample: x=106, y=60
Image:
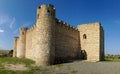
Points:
x=31, y=28
x=43, y=5
x=16, y=38
x=60, y=21
x=54, y=8
x=65, y=25
x=76, y=29
x=34, y=26
x=72, y=27
x=50, y=5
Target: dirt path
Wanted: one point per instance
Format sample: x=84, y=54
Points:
x=83, y=68
x=15, y=67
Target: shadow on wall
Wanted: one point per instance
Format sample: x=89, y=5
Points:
x=82, y=56
x=60, y=60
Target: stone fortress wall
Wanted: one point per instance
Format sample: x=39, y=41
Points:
x=52, y=41
x=67, y=44
x=91, y=37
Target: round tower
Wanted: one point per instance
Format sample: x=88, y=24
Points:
x=22, y=43
x=45, y=31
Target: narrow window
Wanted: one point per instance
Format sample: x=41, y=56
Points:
x=48, y=12
x=22, y=33
x=84, y=36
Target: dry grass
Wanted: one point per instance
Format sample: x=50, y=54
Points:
x=17, y=66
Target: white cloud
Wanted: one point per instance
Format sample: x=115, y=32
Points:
x=12, y=23
x=1, y=30
x=7, y=20
x=3, y=20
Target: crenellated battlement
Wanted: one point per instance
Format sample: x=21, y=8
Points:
x=23, y=31
x=65, y=25
x=31, y=28
x=51, y=41
x=49, y=6
x=44, y=10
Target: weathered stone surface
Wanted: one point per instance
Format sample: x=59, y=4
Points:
x=93, y=44
x=51, y=40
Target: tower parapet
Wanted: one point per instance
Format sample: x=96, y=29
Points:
x=22, y=43
x=46, y=10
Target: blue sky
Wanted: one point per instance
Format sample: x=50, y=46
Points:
x=22, y=13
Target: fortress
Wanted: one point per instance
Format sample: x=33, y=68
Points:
x=51, y=41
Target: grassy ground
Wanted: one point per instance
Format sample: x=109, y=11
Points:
x=7, y=60
x=111, y=60
x=77, y=67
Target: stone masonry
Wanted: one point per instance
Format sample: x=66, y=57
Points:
x=51, y=41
